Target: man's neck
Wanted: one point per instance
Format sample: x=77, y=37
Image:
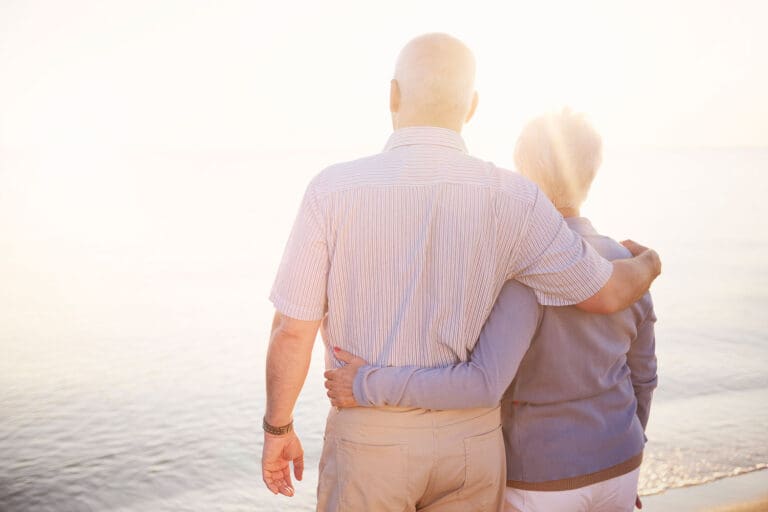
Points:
x=569, y=212
x=406, y=122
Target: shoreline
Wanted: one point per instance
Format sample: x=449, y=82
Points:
x=747, y=492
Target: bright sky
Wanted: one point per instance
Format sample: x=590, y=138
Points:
x=257, y=75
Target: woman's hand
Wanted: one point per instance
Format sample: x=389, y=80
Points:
x=339, y=382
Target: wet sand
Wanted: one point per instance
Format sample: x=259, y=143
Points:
x=753, y=506
x=743, y=493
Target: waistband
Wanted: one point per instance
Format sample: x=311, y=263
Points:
x=576, y=482
x=402, y=417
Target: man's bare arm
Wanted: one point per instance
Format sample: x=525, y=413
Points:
x=290, y=350
x=629, y=281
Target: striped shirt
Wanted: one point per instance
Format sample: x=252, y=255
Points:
x=403, y=253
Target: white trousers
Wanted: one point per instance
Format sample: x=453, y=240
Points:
x=614, y=495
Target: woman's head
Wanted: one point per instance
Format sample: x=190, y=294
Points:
x=561, y=153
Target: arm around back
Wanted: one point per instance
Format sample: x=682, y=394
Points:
x=479, y=382
x=564, y=270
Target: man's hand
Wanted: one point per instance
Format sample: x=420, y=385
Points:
x=629, y=281
x=278, y=453
x=339, y=382
x=636, y=249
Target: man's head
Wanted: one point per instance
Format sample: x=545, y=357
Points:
x=561, y=153
x=434, y=83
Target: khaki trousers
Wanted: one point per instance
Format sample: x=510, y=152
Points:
x=399, y=460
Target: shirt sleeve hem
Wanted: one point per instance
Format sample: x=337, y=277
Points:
x=296, y=311
x=601, y=274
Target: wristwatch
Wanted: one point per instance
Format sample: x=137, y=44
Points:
x=276, y=431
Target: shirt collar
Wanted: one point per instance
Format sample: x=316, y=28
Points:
x=581, y=225
x=426, y=135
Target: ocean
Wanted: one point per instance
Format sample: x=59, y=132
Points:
x=134, y=321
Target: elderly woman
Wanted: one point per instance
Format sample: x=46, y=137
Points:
x=574, y=416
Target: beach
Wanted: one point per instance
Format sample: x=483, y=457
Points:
x=744, y=493
x=752, y=506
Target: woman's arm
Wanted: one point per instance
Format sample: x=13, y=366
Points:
x=479, y=382
x=641, y=360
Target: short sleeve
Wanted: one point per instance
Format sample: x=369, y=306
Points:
x=560, y=267
x=299, y=290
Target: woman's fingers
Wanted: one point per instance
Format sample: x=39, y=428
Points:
x=348, y=357
x=339, y=382
x=343, y=402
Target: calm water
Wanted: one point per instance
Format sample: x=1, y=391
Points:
x=133, y=322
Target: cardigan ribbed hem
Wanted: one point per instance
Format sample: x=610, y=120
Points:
x=576, y=482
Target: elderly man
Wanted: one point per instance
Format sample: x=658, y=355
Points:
x=401, y=256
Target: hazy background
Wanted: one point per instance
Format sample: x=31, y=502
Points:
x=295, y=75
x=152, y=156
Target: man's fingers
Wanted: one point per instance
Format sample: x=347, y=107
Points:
x=634, y=247
x=272, y=485
x=276, y=482
x=329, y=374
x=287, y=488
x=629, y=244
x=298, y=467
x=276, y=463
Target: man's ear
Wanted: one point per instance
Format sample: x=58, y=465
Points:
x=394, y=96
x=473, y=107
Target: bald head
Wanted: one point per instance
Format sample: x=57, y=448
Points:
x=434, y=83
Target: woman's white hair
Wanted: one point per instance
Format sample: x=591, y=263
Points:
x=561, y=153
